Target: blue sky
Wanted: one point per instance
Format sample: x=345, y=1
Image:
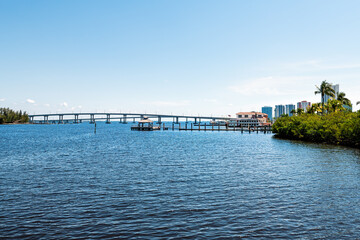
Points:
x=180, y=57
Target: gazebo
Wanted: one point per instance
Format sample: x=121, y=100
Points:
x=144, y=125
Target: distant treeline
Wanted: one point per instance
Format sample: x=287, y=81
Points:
x=10, y=116
x=341, y=128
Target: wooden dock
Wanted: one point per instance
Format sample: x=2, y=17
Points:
x=207, y=127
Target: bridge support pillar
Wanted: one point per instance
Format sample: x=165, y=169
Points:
x=92, y=118
x=177, y=120
x=76, y=119
x=159, y=120
x=61, y=119
x=141, y=117
x=108, y=119
x=124, y=119
x=195, y=120
x=134, y=120
x=46, y=119
x=31, y=119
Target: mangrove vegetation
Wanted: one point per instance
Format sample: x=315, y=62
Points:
x=8, y=115
x=325, y=122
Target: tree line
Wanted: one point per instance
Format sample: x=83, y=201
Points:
x=8, y=115
x=330, y=122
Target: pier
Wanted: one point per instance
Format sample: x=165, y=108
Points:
x=204, y=127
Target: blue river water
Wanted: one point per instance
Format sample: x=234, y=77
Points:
x=65, y=182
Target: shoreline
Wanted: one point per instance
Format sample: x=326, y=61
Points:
x=15, y=123
x=316, y=142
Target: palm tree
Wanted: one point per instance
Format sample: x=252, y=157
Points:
x=334, y=106
x=345, y=101
x=325, y=89
x=293, y=111
x=358, y=103
x=315, y=108
x=300, y=111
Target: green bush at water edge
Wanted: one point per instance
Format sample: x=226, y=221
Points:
x=10, y=116
x=341, y=128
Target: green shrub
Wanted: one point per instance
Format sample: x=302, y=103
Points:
x=336, y=128
x=10, y=116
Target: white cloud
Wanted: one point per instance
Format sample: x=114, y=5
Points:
x=30, y=101
x=317, y=65
x=64, y=104
x=270, y=86
x=210, y=100
x=167, y=103
x=2, y=99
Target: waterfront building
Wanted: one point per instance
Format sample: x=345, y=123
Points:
x=268, y=111
x=279, y=110
x=289, y=108
x=303, y=105
x=250, y=119
x=336, y=89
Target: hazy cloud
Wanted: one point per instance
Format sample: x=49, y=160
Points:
x=315, y=65
x=30, y=101
x=2, y=99
x=210, y=100
x=271, y=86
x=167, y=103
x=64, y=104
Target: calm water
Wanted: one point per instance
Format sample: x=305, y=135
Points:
x=63, y=181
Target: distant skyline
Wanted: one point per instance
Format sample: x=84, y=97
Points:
x=181, y=57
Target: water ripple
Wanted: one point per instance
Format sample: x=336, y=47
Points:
x=64, y=182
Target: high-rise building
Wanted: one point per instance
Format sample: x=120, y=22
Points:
x=336, y=89
x=303, y=105
x=279, y=110
x=268, y=111
x=289, y=108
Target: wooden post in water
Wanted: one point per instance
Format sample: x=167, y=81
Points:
x=218, y=126
x=199, y=125
x=173, y=126
x=192, y=124
x=179, y=126
x=186, y=125
x=95, y=128
x=205, y=126
x=212, y=127
x=163, y=126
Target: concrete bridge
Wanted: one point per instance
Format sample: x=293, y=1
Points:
x=121, y=117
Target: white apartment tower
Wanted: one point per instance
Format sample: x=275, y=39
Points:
x=336, y=88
